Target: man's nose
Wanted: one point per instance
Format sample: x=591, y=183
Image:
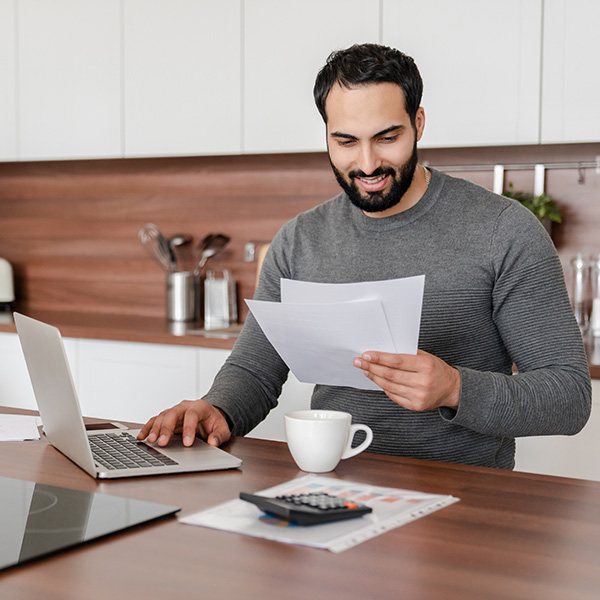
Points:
x=369, y=160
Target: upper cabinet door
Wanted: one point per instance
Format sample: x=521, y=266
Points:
x=8, y=82
x=286, y=44
x=480, y=63
x=182, y=73
x=69, y=78
x=571, y=76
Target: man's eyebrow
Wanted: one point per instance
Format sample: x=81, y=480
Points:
x=348, y=136
x=340, y=134
x=388, y=130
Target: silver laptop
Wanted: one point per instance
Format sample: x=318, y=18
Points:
x=104, y=454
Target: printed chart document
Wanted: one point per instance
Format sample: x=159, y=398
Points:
x=391, y=508
x=318, y=329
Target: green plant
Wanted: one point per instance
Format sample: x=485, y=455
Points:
x=544, y=207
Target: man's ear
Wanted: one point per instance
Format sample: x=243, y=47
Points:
x=420, y=122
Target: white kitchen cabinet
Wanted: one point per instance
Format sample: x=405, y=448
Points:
x=182, y=73
x=15, y=385
x=69, y=79
x=114, y=78
x=571, y=78
x=128, y=381
x=8, y=81
x=210, y=360
x=565, y=456
x=480, y=63
x=294, y=395
x=285, y=45
x=132, y=381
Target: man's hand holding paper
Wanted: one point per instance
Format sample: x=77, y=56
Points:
x=419, y=383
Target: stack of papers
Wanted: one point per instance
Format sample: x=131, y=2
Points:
x=16, y=428
x=391, y=508
x=318, y=329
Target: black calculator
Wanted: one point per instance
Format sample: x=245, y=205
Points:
x=309, y=509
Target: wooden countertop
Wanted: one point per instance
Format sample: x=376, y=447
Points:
x=128, y=328
x=153, y=330
x=511, y=535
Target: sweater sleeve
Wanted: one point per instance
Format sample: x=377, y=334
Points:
x=249, y=384
x=551, y=393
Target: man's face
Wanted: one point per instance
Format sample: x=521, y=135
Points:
x=372, y=146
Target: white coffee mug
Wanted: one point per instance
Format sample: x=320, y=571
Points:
x=319, y=439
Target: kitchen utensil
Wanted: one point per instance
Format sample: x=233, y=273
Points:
x=209, y=246
x=180, y=239
x=157, y=246
x=176, y=243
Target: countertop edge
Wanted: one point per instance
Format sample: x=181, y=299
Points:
x=150, y=330
x=128, y=328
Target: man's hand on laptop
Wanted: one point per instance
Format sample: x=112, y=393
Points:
x=188, y=418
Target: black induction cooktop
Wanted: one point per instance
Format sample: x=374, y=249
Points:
x=37, y=520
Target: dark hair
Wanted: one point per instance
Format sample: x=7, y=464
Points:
x=370, y=63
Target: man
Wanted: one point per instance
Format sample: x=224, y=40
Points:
x=494, y=292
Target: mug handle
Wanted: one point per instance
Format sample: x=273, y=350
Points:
x=349, y=450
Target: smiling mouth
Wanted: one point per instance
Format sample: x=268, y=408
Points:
x=373, y=184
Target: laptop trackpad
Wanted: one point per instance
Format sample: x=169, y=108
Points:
x=198, y=451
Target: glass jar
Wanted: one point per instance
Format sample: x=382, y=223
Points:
x=580, y=289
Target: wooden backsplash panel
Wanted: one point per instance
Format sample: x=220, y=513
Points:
x=70, y=228
x=577, y=191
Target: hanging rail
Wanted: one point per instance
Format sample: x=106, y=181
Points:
x=517, y=167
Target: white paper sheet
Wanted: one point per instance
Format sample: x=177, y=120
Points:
x=319, y=329
x=16, y=428
x=319, y=342
x=402, y=301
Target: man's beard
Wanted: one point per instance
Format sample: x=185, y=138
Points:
x=372, y=202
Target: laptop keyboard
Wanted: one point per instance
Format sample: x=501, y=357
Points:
x=124, y=451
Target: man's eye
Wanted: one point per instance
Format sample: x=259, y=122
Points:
x=388, y=139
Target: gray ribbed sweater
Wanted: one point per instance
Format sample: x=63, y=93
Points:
x=494, y=295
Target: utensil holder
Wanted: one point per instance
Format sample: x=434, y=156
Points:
x=181, y=296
